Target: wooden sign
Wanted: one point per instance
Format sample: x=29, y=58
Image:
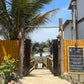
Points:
x=76, y=60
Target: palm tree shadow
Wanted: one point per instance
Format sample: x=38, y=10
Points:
x=31, y=75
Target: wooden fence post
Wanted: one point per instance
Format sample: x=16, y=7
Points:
x=61, y=47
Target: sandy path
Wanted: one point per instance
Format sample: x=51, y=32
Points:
x=42, y=76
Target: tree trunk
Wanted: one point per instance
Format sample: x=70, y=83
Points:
x=41, y=54
x=21, y=49
x=50, y=50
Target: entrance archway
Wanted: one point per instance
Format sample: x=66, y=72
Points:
x=60, y=37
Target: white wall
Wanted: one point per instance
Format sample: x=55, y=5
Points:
x=81, y=31
x=80, y=8
x=80, y=26
x=68, y=32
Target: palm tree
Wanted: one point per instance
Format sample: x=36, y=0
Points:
x=17, y=15
x=35, y=48
x=14, y=14
x=39, y=48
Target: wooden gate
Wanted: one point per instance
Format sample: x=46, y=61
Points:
x=72, y=43
x=26, y=61
x=55, y=56
x=53, y=61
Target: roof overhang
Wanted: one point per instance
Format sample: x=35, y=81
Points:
x=71, y=4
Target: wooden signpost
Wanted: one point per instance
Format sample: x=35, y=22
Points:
x=76, y=60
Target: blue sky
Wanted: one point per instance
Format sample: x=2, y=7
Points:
x=44, y=34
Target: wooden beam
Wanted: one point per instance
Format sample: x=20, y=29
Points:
x=42, y=26
x=32, y=69
x=31, y=61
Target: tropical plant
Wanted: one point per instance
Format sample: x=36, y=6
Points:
x=49, y=44
x=16, y=17
x=35, y=48
x=14, y=14
x=7, y=68
x=39, y=48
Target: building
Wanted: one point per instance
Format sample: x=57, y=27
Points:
x=80, y=19
x=68, y=31
x=77, y=28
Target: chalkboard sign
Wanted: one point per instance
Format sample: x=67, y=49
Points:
x=76, y=60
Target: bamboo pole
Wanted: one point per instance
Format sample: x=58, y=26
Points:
x=42, y=26
x=74, y=19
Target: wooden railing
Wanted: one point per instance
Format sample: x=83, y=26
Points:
x=32, y=61
x=49, y=63
x=45, y=65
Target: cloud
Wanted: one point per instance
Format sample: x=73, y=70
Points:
x=44, y=34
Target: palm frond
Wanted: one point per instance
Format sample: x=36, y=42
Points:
x=12, y=11
x=40, y=19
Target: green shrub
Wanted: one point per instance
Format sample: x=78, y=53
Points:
x=0, y=82
x=7, y=68
x=82, y=83
x=61, y=77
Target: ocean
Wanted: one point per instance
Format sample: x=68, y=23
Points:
x=45, y=53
